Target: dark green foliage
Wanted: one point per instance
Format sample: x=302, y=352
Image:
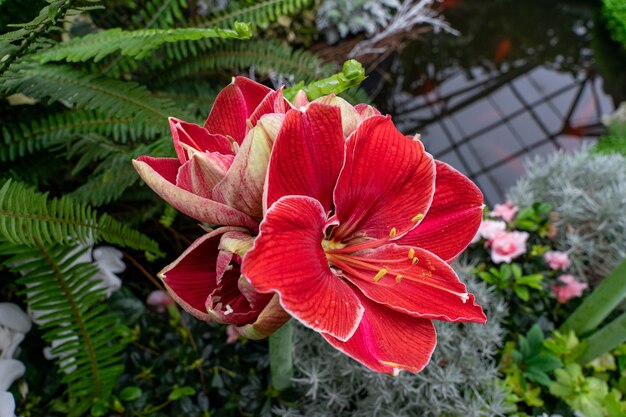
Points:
x=615, y=14
x=58, y=285
x=614, y=141
x=258, y=13
x=135, y=44
x=30, y=218
x=533, y=359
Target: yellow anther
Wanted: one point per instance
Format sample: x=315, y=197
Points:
x=415, y=260
x=392, y=232
x=398, y=278
x=417, y=218
x=411, y=253
x=380, y=275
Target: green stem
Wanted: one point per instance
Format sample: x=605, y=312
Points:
x=352, y=74
x=281, y=361
x=599, y=304
x=605, y=339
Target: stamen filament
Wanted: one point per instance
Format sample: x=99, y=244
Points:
x=360, y=246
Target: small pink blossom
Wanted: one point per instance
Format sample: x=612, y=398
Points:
x=506, y=211
x=233, y=335
x=557, y=260
x=159, y=299
x=505, y=246
x=571, y=288
x=488, y=229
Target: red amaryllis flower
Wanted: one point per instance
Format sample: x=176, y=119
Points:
x=355, y=243
x=220, y=168
x=206, y=281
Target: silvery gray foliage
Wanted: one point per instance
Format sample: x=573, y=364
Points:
x=459, y=381
x=588, y=192
x=336, y=19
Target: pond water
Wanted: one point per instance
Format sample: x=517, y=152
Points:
x=522, y=79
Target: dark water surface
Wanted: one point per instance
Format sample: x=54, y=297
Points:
x=524, y=78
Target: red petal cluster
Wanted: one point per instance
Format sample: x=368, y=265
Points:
x=357, y=224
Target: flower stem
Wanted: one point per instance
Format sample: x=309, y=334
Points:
x=281, y=361
x=599, y=304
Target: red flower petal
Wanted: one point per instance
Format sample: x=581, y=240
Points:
x=453, y=218
x=233, y=105
x=388, y=341
x=307, y=155
x=272, y=103
x=387, y=182
x=288, y=258
x=158, y=173
x=192, y=277
x=200, y=174
x=428, y=289
x=196, y=138
x=243, y=185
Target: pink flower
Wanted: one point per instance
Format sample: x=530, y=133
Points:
x=159, y=299
x=506, y=211
x=488, y=229
x=506, y=246
x=557, y=260
x=356, y=243
x=571, y=288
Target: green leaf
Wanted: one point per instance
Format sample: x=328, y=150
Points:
x=180, y=392
x=522, y=293
x=136, y=44
x=129, y=394
x=352, y=74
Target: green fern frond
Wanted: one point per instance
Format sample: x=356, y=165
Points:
x=21, y=139
x=68, y=302
x=115, y=174
x=135, y=44
x=258, y=13
x=264, y=55
x=112, y=98
x=28, y=216
x=92, y=148
x=159, y=14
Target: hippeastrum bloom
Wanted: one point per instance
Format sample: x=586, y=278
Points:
x=220, y=168
x=356, y=243
x=206, y=281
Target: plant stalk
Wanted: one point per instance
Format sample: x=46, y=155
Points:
x=605, y=339
x=599, y=304
x=281, y=360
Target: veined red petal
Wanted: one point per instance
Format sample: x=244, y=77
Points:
x=272, y=103
x=387, y=182
x=300, y=99
x=307, y=155
x=271, y=319
x=157, y=174
x=388, y=341
x=192, y=277
x=189, y=137
x=200, y=174
x=350, y=118
x=288, y=258
x=366, y=111
x=233, y=105
x=415, y=282
x=453, y=218
x=243, y=185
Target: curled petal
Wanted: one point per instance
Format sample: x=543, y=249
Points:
x=271, y=318
x=272, y=103
x=300, y=99
x=288, y=258
x=160, y=175
x=233, y=105
x=388, y=341
x=387, y=182
x=415, y=282
x=453, y=218
x=242, y=187
x=190, y=138
x=307, y=155
x=366, y=111
x=200, y=174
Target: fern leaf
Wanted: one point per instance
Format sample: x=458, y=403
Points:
x=28, y=216
x=352, y=75
x=136, y=44
x=264, y=55
x=86, y=337
x=160, y=13
x=259, y=13
x=21, y=139
x=112, y=98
